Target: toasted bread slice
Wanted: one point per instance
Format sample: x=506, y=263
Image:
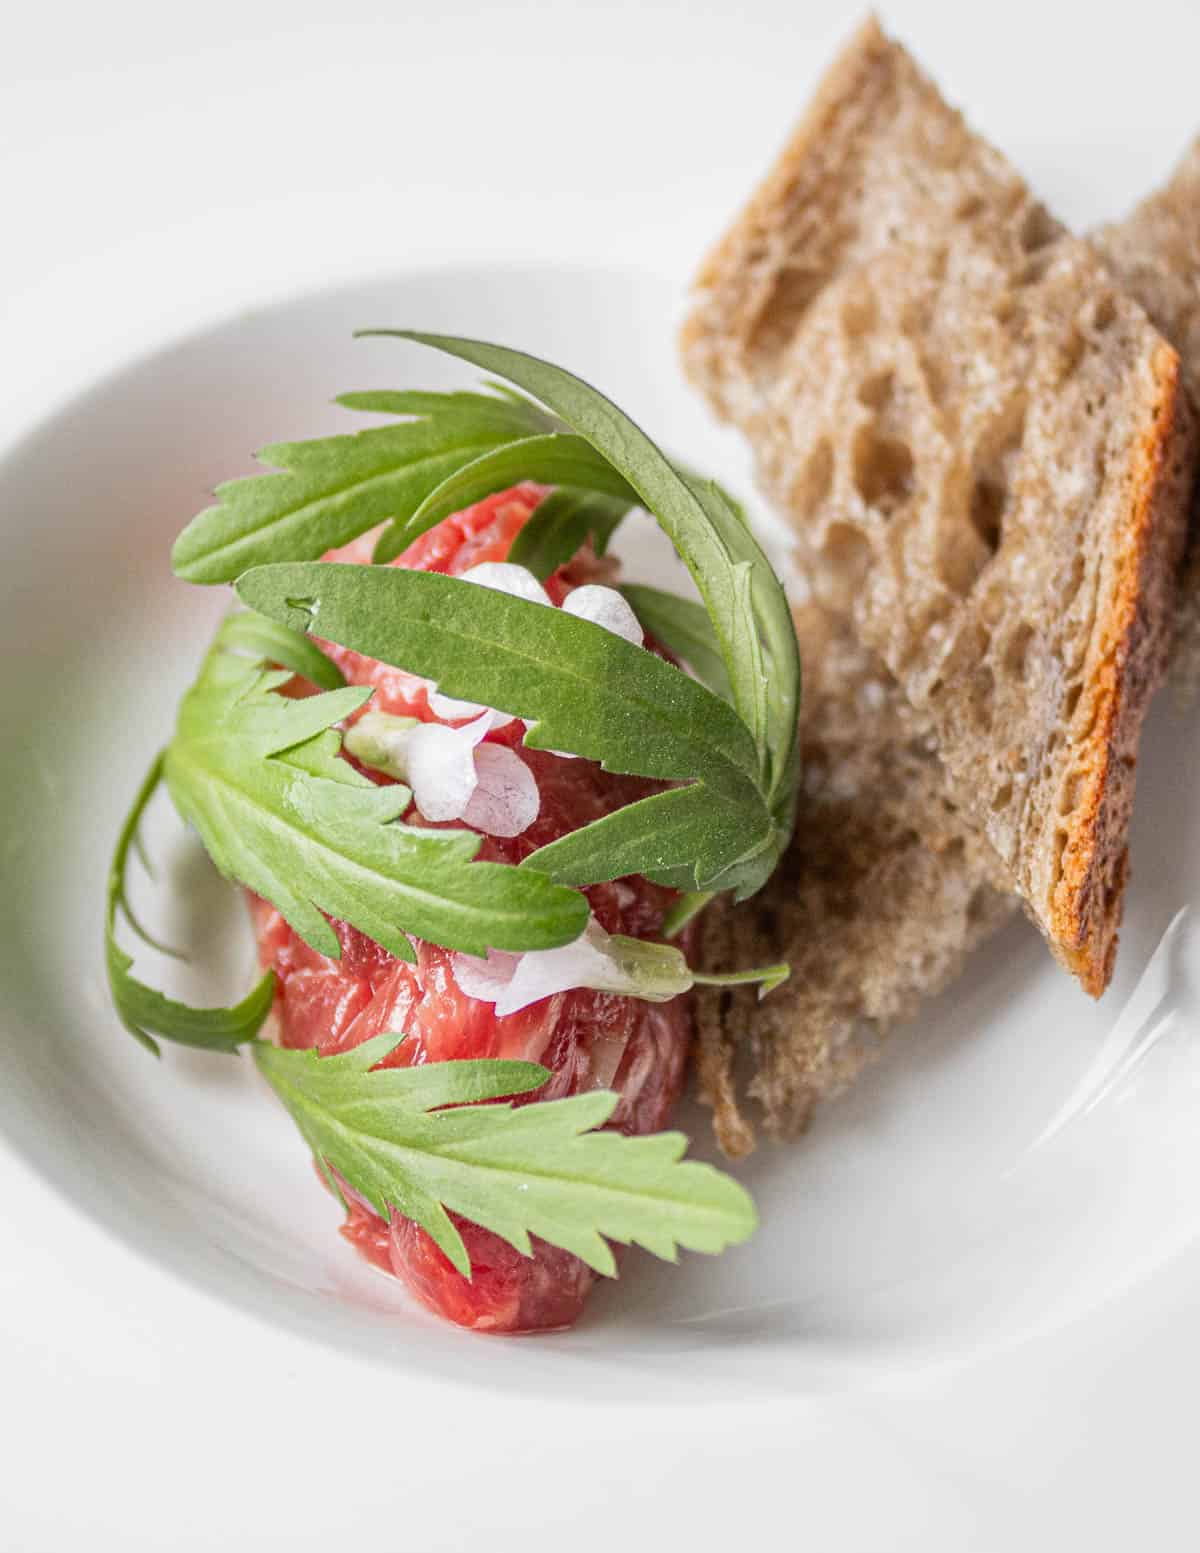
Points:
x=985, y=454
x=880, y=900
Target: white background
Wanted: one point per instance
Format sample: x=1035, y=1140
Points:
x=163, y=165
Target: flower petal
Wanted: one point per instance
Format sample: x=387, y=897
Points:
x=451, y=710
x=507, y=577
x=506, y=800
x=605, y=607
x=440, y=766
x=484, y=979
x=633, y=967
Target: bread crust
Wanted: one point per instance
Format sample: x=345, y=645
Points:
x=1135, y=641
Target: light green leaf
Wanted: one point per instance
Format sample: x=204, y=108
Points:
x=267, y=641
x=333, y=489
x=537, y=1169
x=683, y=627
x=587, y=690
x=554, y=459
x=503, y=409
x=141, y=1008
x=260, y=777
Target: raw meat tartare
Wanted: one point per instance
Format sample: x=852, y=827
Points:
x=589, y=1040
x=476, y=795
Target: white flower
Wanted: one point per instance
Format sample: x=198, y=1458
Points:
x=605, y=607
x=440, y=766
x=505, y=577
x=452, y=773
x=656, y=972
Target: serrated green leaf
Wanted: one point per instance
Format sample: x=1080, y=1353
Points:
x=706, y=530
x=683, y=838
x=562, y=522
x=141, y=1008
x=502, y=409
x=333, y=489
x=556, y=458
x=537, y=1169
x=587, y=690
x=683, y=627
x=260, y=777
x=590, y=691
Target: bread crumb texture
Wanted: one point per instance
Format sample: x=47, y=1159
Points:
x=985, y=452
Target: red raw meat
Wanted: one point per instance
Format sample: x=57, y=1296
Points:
x=587, y=1039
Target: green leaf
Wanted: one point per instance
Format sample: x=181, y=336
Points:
x=587, y=690
x=686, y=838
x=267, y=641
x=561, y=523
x=536, y=1169
x=141, y=1008
x=261, y=778
x=736, y=581
x=686, y=909
x=556, y=458
x=333, y=489
x=683, y=627
x=502, y=409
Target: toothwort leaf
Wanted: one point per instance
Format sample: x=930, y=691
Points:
x=562, y=523
x=261, y=778
x=683, y=627
x=585, y=689
x=332, y=489
x=758, y=644
x=555, y=459
x=540, y=1169
x=141, y=1008
x=266, y=641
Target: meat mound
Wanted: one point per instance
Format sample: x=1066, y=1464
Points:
x=588, y=1040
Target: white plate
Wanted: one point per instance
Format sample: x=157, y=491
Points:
x=1019, y=1159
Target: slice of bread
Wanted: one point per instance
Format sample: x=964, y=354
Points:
x=880, y=900
x=884, y=890
x=983, y=449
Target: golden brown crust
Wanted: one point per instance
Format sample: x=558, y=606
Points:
x=1134, y=643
